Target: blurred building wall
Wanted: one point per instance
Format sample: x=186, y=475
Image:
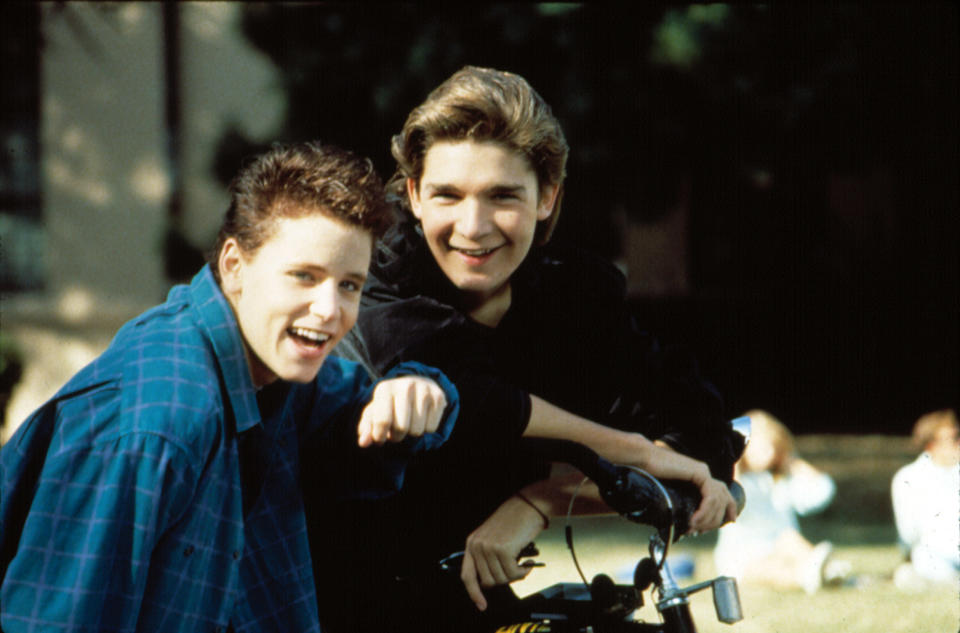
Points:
x=106, y=181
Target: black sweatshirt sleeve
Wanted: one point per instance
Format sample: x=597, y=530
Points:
x=493, y=412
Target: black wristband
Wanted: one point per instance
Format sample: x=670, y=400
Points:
x=546, y=519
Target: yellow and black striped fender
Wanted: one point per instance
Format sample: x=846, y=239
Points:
x=525, y=627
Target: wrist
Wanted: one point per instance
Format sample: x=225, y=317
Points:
x=638, y=451
x=527, y=501
x=701, y=474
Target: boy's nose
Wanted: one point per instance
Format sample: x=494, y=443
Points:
x=326, y=301
x=474, y=220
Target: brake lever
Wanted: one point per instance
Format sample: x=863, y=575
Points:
x=454, y=562
x=529, y=551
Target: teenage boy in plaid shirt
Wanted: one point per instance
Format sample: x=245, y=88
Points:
x=159, y=489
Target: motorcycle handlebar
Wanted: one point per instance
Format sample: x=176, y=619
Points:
x=638, y=497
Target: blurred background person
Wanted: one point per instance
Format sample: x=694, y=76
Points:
x=765, y=545
x=926, y=504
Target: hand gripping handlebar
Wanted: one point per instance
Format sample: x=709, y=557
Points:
x=629, y=491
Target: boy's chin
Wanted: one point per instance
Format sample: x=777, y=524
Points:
x=303, y=375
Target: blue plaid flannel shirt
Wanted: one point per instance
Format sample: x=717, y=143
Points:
x=127, y=502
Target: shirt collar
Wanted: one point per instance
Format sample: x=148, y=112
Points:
x=218, y=321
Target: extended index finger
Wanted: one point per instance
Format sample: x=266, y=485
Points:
x=468, y=574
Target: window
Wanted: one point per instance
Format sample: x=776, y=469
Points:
x=22, y=261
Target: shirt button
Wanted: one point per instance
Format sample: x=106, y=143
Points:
x=236, y=554
x=188, y=550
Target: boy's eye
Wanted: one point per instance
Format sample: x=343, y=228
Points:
x=350, y=286
x=301, y=275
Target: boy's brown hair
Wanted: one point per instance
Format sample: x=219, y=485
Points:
x=482, y=104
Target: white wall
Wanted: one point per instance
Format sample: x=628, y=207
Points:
x=104, y=178
x=105, y=181
x=223, y=81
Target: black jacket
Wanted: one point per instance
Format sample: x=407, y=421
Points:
x=568, y=337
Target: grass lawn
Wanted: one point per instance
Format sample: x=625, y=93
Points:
x=859, y=523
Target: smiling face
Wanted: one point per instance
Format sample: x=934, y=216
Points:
x=297, y=295
x=479, y=204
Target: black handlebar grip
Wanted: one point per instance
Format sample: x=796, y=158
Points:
x=686, y=499
x=633, y=495
x=638, y=499
x=738, y=494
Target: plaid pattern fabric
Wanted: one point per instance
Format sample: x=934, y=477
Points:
x=122, y=504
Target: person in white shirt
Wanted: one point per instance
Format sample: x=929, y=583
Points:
x=765, y=545
x=926, y=504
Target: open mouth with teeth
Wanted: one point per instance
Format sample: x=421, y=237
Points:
x=308, y=338
x=475, y=252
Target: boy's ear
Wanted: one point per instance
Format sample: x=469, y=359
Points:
x=413, y=195
x=230, y=265
x=548, y=199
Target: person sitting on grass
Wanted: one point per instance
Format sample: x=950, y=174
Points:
x=765, y=545
x=926, y=504
x=159, y=489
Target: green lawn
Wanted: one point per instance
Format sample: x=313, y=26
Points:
x=859, y=523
